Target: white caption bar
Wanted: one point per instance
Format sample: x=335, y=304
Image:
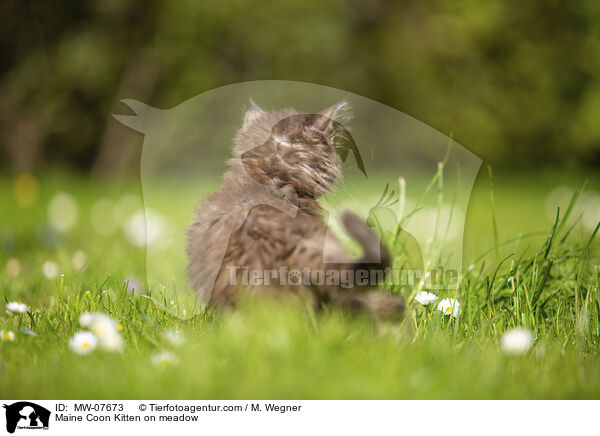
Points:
x=23, y=417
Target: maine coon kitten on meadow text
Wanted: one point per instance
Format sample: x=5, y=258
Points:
x=282, y=159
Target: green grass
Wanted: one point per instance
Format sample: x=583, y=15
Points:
x=270, y=349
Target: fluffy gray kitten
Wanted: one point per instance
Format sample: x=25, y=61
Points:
x=266, y=217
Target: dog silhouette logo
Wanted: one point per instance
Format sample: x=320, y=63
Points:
x=26, y=415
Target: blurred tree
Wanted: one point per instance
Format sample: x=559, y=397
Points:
x=516, y=83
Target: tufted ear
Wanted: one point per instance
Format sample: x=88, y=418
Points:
x=337, y=113
x=252, y=113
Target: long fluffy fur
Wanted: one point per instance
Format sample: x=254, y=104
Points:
x=266, y=215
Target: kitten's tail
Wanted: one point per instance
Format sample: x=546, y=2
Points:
x=376, y=254
x=376, y=257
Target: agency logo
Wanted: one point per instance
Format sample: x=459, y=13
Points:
x=412, y=183
x=26, y=415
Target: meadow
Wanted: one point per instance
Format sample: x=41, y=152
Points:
x=70, y=245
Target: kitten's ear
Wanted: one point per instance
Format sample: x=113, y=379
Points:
x=252, y=113
x=339, y=112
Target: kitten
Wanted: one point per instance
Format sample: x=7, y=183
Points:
x=266, y=217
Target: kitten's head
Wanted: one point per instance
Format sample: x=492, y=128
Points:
x=290, y=149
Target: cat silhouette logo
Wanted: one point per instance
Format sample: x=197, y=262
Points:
x=26, y=415
x=430, y=176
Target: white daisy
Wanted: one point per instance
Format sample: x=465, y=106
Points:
x=426, y=298
x=86, y=318
x=16, y=307
x=175, y=337
x=449, y=306
x=104, y=328
x=63, y=211
x=50, y=269
x=516, y=341
x=83, y=343
x=79, y=260
x=164, y=359
x=13, y=267
x=27, y=331
x=145, y=227
x=6, y=335
x=112, y=342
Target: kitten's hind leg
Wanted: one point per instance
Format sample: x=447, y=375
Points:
x=381, y=304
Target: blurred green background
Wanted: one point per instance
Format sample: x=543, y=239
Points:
x=516, y=83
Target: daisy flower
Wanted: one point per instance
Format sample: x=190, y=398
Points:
x=50, y=269
x=175, y=337
x=13, y=267
x=104, y=328
x=516, y=341
x=426, y=298
x=16, y=307
x=164, y=359
x=145, y=227
x=96, y=321
x=63, y=211
x=112, y=342
x=86, y=318
x=6, y=335
x=83, y=343
x=27, y=331
x=449, y=306
x=79, y=260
